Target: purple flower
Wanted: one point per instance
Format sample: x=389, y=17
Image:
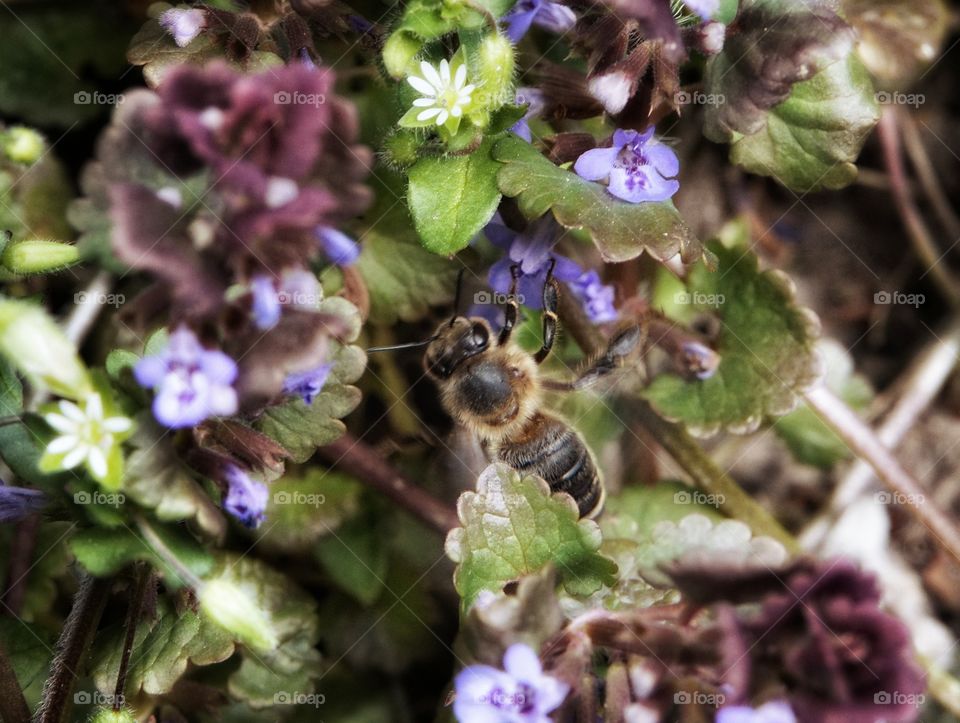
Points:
x=309, y=383
x=597, y=298
x=775, y=711
x=246, y=500
x=704, y=8
x=636, y=167
x=535, y=100
x=191, y=383
x=19, y=502
x=266, y=303
x=520, y=693
x=550, y=16
x=183, y=25
x=337, y=246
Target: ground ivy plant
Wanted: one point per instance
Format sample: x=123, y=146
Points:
x=235, y=238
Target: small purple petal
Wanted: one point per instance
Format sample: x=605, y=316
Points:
x=337, y=246
x=19, y=502
x=555, y=18
x=150, y=371
x=704, y=8
x=266, y=303
x=499, y=275
x=596, y=164
x=183, y=24
x=520, y=18
x=596, y=298
x=663, y=159
x=772, y=712
x=522, y=129
x=308, y=384
x=246, y=499
x=521, y=662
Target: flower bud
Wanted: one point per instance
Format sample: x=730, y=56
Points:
x=38, y=257
x=399, y=53
x=402, y=149
x=232, y=608
x=495, y=66
x=33, y=342
x=23, y=145
x=106, y=715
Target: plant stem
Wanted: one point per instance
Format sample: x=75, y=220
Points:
x=72, y=646
x=362, y=461
x=928, y=175
x=22, y=547
x=13, y=706
x=862, y=440
x=134, y=608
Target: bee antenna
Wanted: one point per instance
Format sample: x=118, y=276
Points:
x=394, y=347
x=456, y=296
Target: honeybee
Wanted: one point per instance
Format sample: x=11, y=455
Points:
x=493, y=387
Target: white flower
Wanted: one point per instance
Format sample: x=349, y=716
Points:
x=445, y=91
x=85, y=436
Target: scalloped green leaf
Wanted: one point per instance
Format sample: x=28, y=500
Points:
x=452, y=197
x=513, y=526
x=299, y=427
x=29, y=649
x=163, y=647
x=620, y=230
x=765, y=344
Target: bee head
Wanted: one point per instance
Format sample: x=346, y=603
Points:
x=454, y=342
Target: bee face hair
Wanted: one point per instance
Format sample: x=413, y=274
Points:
x=455, y=342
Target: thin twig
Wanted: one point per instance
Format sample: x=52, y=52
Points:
x=362, y=461
x=72, y=646
x=862, y=440
x=928, y=176
x=13, y=706
x=917, y=230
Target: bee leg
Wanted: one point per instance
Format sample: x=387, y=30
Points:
x=621, y=344
x=551, y=298
x=512, y=308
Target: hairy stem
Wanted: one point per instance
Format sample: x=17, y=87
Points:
x=22, y=547
x=13, y=706
x=134, y=608
x=72, y=646
x=362, y=461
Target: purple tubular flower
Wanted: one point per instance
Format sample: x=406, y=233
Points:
x=246, y=499
x=191, y=383
x=266, y=303
x=704, y=8
x=183, y=25
x=309, y=383
x=337, y=246
x=597, y=298
x=19, y=502
x=775, y=711
x=551, y=16
x=520, y=693
x=636, y=167
x=535, y=100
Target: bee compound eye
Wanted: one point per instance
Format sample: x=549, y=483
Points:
x=479, y=336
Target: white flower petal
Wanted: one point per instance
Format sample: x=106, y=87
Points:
x=117, y=424
x=445, y=72
x=456, y=111
x=61, y=445
x=75, y=457
x=60, y=423
x=72, y=411
x=428, y=114
x=421, y=86
x=460, y=77
x=467, y=89
x=94, y=407
x=442, y=118
x=424, y=102
x=430, y=73
x=97, y=461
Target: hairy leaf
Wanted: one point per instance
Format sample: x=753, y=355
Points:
x=513, y=526
x=29, y=650
x=452, y=197
x=795, y=103
x=621, y=230
x=765, y=344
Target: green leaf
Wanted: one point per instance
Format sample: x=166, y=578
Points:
x=29, y=649
x=11, y=390
x=403, y=279
x=452, y=197
x=356, y=558
x=620, y=230
x=305, y=507
x=808, y=436
x=765, y=344
x=513, y=526
x=299, y=427
x=106, y=552
x=163, y=647
x=796, y=102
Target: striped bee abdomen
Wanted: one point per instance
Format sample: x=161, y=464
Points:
x=551, y=449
